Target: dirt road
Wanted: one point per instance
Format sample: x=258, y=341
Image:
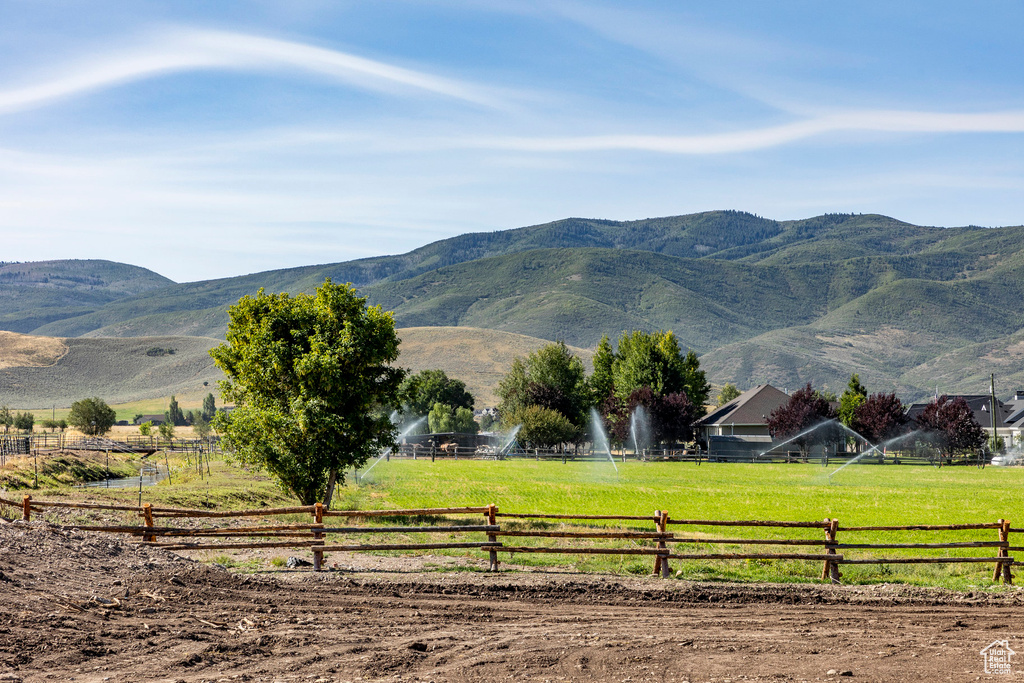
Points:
x=100, y=608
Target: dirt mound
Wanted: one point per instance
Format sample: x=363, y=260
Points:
x=99, y=607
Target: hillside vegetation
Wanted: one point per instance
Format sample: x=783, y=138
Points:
x=39, y=372
x=906, y=306
x=118, y=370
x=34, y=294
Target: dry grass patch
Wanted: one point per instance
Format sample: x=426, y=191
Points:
x=478, y=357
x=26, y=351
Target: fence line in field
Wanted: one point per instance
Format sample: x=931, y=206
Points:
x=664, y=546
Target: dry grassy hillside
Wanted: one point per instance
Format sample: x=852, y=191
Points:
x=478, y=357
x=38, y=372
x=22, y=350
x=117, y=370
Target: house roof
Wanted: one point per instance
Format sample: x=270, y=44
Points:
x=1016, y=406
x=752, y=407
x=979, y=404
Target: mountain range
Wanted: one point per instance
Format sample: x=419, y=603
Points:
x=910, y=308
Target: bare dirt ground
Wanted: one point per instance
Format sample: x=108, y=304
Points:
x=95, y=607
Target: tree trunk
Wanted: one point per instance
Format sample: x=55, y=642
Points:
x=329, y=495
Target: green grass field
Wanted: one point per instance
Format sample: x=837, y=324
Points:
x=858, y=495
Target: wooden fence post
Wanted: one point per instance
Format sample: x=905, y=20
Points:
x=666, y=572
x=831, y=570
x=147, y=513
x=318, y=517
x=1007, y=576
x=26, y=508
x=661, y=544
x=492, y=519
x=1002, y=570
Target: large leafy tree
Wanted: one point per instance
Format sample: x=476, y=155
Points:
x=951, y=424
x=880, y=417
x=728, y=393
x=92, y=416
x=24, y=421
x=445, y=418
x=852, y=398
x=551, y=378
x=421, y=391
x=806, y=408
x=649, y=369
x=654, y=359
x=174, y=415
x=312, y=379
x=209, y=407
x=602, y=381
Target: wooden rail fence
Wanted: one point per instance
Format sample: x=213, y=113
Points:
x=659, y=543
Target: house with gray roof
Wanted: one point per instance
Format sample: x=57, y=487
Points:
x=739, y=428
x=981, y=406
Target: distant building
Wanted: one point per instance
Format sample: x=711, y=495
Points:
x=1015, y=422
x=155, y=419
x=739, y=429
x=981, y=406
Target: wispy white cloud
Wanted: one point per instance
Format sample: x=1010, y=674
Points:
x=763, y=138
x=188, y=50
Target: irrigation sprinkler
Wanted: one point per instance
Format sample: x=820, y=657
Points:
x=879, y=448
x=599, y=435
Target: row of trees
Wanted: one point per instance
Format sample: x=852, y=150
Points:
x=20, y=421
x=175, y=416
x=444, y=401
x=550, y=395
x=948, y=423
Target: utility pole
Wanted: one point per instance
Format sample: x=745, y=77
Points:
x=994, y=413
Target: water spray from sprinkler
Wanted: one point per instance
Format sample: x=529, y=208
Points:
x=408, y=429
x=600, y=438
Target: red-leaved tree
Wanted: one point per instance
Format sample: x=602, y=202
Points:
x=880, y=417
x=806, y=408
x=951, y=423
x=671, y=416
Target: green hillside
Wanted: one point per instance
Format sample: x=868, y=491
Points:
x=718, y=235
x=34, y=294
x=763, y=300
x=578, y=294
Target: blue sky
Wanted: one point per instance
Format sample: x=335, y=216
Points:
x=206, y=140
